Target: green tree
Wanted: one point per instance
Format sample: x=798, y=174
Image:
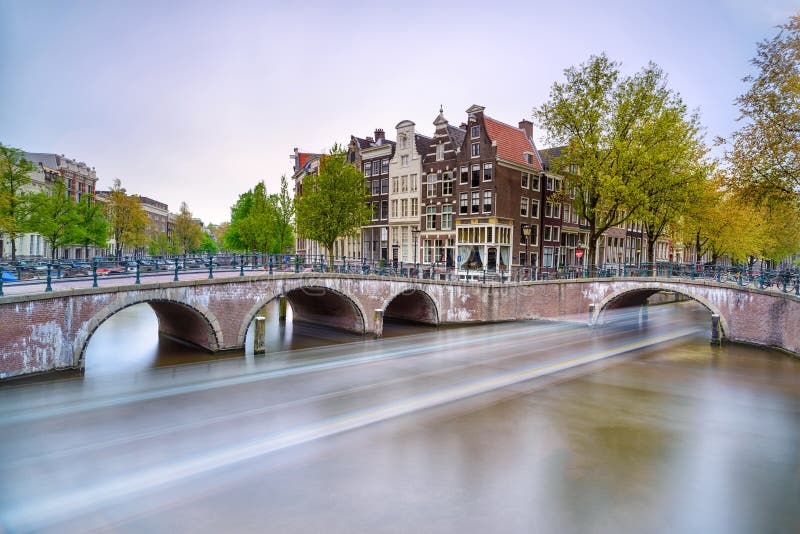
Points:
x=764, y=154
x=127, y=219
x=618, y=135
x=257, y=227
x=187, y=233
x=207, y=245
x=333, y=203
x=55, y=216
x=92, y=228
x=283, y=208
x=15, y=200
x=233, y=239
x=160, y=245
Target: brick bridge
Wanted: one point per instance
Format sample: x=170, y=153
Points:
x=48, y=331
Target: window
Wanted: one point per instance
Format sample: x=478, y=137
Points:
x=384, y=209
x=413, y=180
x=447, y=217
x=573, y=169
x=525, y=180
x=549, y=183
x=476, y=150
x=375, y=208
x=523, y=207
x=557, y=211
x=430, y=218
x=403, y=141
x=476, y=201
x=548, y=232
x=384, y=166
x=447, y=183
x=534, y=259
x=404, y=207
x=395, y=181
x=535, y=208
x=476, y=175
x=487, y=172
x=414, y=207
x=547, y=259
x=548, y=209
x=535, y=182
x=487, y=201
x=440, y=152
x=567, y=209
x=522, y=239
x=376, y=187
x=475, y=132
x=534, y=235
x=463, y=203
x=556, y=233
x=529, y=159
x=404, y=184
x=368, y=168
x=384, y=186
x=404, y=161
x=394, y=209
x=431, y=185
x=464, y=176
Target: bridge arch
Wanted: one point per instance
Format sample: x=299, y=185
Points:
x=189, y=322
x=632, y=296
x=314, y=304
x=412, y=304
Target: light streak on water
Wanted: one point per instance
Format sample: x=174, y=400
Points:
x=40, y=513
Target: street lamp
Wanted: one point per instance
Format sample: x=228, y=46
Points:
x=415, y=234
x=526, y=231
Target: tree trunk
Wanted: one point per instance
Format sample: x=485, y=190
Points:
x=330, y=258
x=13, y=249
x=651, y=253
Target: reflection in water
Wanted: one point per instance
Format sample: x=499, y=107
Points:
x=680, y=437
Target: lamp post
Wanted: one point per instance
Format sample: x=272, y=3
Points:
x=415, y=234
x=579, y=255
x=526, y=231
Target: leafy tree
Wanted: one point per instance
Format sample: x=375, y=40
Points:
x=283, y=206
x=256, y=227
x=333, y=203
x=92, y=228
x=765, y=153
x=619, y=136
x=127, y=219
x=55, y=216
x=207, y=245
x=160, y=245
x=187, y=233
x=233, y=237
x=220, y=235
x=15, y=201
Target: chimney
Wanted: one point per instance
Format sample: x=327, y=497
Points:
x=527, y=125
x=380, y=136
x=463, y=126
x=296, y=157
x=369, y=139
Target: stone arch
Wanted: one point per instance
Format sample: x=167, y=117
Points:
x=329, y=312
x=412, y=304
x=642, y=291
x=251, y=314
x=194, y=315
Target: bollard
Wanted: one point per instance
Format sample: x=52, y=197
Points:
x=175, y=278
x=270, y=264
x=715, y=329
x=138, y=281
x=241, y=265
x=211, y=267
x=49, y=279
x=260, y=335
x=591, y=314
x=94, y=273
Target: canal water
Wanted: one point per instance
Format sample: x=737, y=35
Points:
x=680, y=437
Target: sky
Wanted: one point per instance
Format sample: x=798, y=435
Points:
x=198, y=101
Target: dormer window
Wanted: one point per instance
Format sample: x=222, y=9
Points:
x=475, y=132
x=529, y=158
x=440, y=152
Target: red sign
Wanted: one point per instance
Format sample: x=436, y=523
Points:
x=579, y=253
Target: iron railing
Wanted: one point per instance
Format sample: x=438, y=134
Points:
x=101, y=271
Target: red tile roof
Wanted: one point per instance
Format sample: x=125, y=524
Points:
x=304, y=157
x=512, y=143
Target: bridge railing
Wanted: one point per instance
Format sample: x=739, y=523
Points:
x=23, y=277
